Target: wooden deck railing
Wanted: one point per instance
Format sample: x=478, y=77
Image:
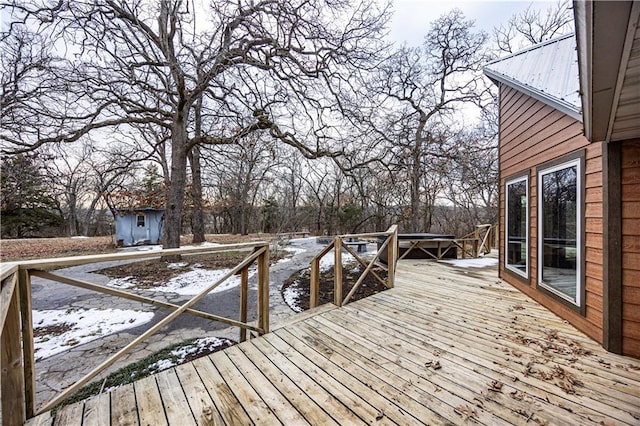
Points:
x=17, y=379
x=338, y=244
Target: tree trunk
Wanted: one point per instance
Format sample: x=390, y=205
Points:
x=197, y=221
x=243, y=218
x=415, y=175
x=177, y=183
x=72, y=220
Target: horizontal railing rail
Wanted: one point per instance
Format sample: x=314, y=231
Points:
x=390, y=244
x=17, y=379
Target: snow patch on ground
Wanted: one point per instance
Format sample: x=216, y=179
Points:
x=295, y=250
x=481, y=262
x=177, y=265
x=84, y=326
x=329, y=260
x=197, y=279
x=125, y=282
x=291, y=295
x=79, y=237
x=179, y=355
x=148, y=248
x=205, y=244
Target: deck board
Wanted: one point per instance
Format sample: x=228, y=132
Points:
x=123, y=407
x=150, y=409
x=97, y=410
x=202, y=407
x=501, y=359
x=174, y=400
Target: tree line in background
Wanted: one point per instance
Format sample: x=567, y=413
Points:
x=263, y=116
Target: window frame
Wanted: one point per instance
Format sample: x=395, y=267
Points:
x=144, y=220
x=576, y=160
x=509, y=181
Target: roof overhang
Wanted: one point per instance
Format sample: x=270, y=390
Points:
x=552, y=101
x=547, y=71
x=608, y=41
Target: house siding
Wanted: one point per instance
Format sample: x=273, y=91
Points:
x=532, y=134
x=630, y=191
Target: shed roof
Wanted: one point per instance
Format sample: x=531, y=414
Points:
x=547, y=71
x=133, y=210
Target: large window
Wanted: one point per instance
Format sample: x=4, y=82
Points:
x=517, y=226
x=560, y=230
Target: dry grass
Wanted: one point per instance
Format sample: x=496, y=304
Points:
x=43, y=248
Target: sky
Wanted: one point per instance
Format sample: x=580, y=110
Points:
x=411, y=18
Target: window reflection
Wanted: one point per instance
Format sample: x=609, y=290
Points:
x=517, y=226
x=560, y=229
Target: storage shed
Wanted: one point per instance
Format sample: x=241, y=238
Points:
x=570, y=173
x=139, y=226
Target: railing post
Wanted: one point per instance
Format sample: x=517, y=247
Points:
x=314, y=289
x=244, y=290
x=392, y=256
x=24, y=284
x=263, y=291
x=337, y=272
x=11, y=371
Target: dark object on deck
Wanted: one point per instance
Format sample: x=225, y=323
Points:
x=428, y=242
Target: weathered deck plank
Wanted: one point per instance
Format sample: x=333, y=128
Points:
x=202, y=407
x=123, y=407
x=97, y=410
x=150, y=409
x=174, y=400
x=286, y=412
x=445, y=345
x=297, y=394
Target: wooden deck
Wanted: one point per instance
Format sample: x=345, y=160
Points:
x=445, y=346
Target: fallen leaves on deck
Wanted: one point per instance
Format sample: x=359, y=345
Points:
x=495, y=386
x=466, y=412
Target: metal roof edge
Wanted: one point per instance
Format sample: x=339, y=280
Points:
x=530, y=48
x=552, y=101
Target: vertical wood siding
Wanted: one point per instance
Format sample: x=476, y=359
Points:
x=533, y=133
x=631, y=248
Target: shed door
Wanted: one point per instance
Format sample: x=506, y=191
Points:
x=140, y=231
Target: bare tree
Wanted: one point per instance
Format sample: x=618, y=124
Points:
x=258, y=66
x=238, y=174
x=533, y=26
x=425, y=90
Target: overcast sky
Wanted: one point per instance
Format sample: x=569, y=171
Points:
x=411, y=18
